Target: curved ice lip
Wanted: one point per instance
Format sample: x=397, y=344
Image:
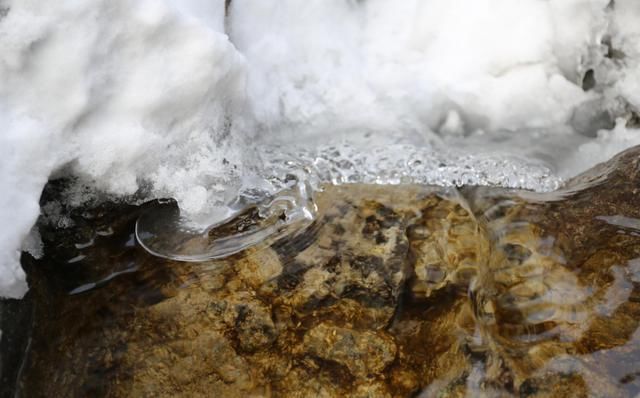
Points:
x=215, y=249
x=163, y=232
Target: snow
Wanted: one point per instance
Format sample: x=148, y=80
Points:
x=120, y=91
x=378, y=64
x=173, y=96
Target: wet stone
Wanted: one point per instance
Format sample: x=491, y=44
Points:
x=255, y=328
x=393, y=291
x=365, y=354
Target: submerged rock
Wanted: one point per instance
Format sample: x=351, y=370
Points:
x=392, y=291
x=364, y=353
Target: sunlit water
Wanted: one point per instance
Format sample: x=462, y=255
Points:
x=385, y=290
x=280, y=189
x=305, y=250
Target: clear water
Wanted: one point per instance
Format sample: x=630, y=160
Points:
x=385, y=290
x=324, y=141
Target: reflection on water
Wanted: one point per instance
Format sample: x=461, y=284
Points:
x=401, y=290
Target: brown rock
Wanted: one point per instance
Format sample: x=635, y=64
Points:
x=365, y=354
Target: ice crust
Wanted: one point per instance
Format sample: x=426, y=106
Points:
x=182, y=99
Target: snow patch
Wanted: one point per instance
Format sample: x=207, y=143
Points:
x=119, y=91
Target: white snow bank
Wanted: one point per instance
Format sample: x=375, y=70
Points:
x=384, y=65
x=122, y=90
x=131, y=92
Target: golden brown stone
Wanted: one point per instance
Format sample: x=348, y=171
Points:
x=366, y=354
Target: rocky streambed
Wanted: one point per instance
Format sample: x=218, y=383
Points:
x=392, y=291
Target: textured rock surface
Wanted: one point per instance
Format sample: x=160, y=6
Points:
x=393, y=291
x=365, y=353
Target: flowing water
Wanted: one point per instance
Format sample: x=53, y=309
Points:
x=351, y=290
x=340, y=213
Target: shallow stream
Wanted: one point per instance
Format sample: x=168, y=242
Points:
x=375, y=290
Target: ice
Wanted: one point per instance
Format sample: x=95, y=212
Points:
x=184, y=99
